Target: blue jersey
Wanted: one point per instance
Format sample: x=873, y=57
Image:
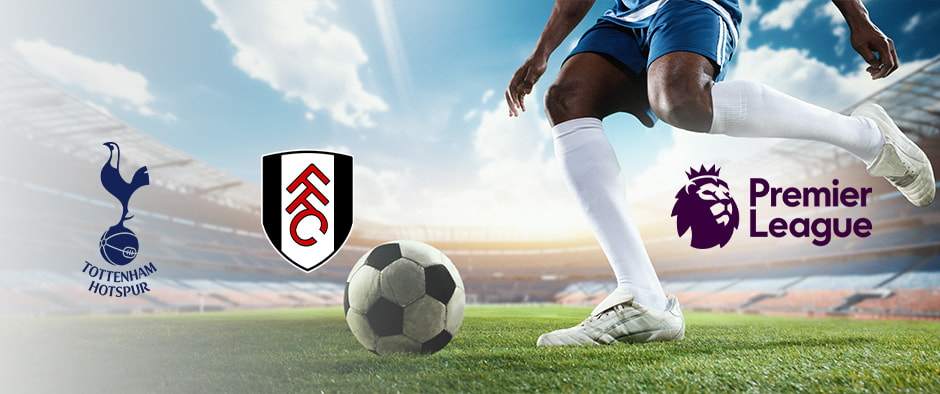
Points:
x=639, y=13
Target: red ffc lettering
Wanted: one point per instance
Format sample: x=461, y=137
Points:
x=308, y=208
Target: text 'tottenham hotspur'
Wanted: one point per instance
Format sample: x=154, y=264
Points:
x=112, y=283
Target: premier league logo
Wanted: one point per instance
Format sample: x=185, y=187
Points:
x=705, y=205
x=306, y=204
x=119, y=244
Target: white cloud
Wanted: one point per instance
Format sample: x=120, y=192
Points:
x=912, y=23
x=784, y=15
x=297, y=50
x=488, y=95
x=829, y=11
x=382, y=195
x=841, y=32
x=750, y=12
x=112, y=81
x=517, y=184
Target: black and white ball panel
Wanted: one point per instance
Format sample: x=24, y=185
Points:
x=361, y=291
x=402, y=281
x=386, y=318
x=421, y=253
x=420, y=328
x=439, y=283
x=455, y=310
x=383, y=255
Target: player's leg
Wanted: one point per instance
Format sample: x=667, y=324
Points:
x=748, y=109
x=589, y=87
x=682, y=93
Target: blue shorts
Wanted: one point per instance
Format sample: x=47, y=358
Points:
x=677, y=26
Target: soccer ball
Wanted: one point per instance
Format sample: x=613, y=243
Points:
x=404, y=296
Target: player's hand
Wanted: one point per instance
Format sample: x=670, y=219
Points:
x=877, y=50
x=522, y=82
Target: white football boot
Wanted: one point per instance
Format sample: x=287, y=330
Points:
x=900, y=161
x=619, y=319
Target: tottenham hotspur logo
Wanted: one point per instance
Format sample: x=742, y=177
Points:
x=119, y=246
x=705, y=205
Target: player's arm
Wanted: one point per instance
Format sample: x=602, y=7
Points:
x=566, y=14
x=874, y=46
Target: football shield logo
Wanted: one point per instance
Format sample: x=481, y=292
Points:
x=306, y=204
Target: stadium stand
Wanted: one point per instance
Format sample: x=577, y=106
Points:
x=200, y=227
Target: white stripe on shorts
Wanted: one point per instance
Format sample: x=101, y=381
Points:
x=720, y=51
x=644, y=12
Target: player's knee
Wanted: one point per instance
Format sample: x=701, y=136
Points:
x=682, y=107
x=560, y=102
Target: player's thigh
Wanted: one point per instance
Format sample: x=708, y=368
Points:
x=592, y=84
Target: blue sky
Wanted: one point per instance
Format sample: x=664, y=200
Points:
x=413, y=89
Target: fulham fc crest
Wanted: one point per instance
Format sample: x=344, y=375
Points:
x=306, y=204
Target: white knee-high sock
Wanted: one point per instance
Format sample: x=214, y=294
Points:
x=750, y=109
x=590, y=167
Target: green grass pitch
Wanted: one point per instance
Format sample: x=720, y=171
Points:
x=312, y=350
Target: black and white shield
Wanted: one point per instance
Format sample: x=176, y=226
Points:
x=306, y=204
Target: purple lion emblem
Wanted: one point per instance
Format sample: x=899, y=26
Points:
x=705, y=205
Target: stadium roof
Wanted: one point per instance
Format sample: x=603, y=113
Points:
x=54, y=118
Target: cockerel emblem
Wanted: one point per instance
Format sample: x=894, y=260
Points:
x=119, y=244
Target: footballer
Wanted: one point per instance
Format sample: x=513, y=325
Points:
x=665, y=59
